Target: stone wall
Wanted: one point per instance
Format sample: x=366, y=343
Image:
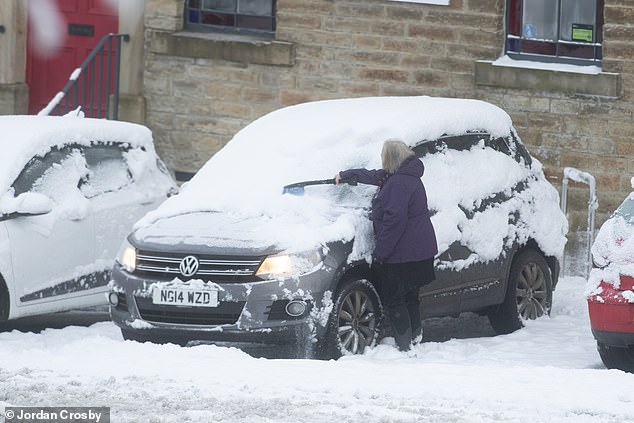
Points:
x=13, y=91
x=202, y=88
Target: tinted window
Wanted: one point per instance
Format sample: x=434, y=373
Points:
x=36, y=168
x=507, y=145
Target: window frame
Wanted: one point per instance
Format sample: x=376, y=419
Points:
x=514, y=35
x=230, y=29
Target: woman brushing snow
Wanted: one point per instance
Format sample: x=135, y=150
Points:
x=405, y=241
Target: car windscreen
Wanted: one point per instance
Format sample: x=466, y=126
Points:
x=626, y=209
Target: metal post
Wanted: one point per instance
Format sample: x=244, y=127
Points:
x=576, y=175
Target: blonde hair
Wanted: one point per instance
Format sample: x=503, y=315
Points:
x=394, y=153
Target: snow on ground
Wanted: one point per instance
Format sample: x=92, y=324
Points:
x=547, y=372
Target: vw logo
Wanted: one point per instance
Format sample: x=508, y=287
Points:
x=188, y=266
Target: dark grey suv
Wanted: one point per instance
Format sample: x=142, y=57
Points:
x=232, y=258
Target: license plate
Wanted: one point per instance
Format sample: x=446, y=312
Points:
x=185, y=297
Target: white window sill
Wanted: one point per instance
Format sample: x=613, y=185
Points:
x=548, y=77
x=531, y=64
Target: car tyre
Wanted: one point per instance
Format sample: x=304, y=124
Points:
x=528, y=293
x=355, y=320
x=620, y=358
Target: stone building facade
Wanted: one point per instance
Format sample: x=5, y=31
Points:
x=196, y=89
x=201, y=88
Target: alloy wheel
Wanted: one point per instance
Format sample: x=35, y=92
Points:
x=356, y=322
x=532, y=292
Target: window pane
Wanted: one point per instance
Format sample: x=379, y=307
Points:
x=540, y=19
x=227, y=5
x=224, y=19
x=255, y=7
x=255, y=22
x=580, y=51
x=539, y=47
x=580, y=13
x=193, y=16
x=60, y=181
x=36, y=168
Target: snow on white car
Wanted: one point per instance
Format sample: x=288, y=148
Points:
x=232, y=258
x=70, y=190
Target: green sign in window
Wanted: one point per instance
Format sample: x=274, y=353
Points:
x=583, y=33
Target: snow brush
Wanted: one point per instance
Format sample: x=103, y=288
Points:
x=298, y=187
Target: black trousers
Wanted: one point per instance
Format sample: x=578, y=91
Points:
x=400, y=286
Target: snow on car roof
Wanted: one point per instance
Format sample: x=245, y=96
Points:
x=315, y=140
x=318, y=139
x=24, y=137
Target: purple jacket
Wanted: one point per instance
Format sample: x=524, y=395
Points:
x=402, y=227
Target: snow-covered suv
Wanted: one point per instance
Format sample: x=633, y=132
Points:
x=70, y=190
x=232, y=258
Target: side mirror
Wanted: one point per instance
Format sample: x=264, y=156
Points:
x=25, y=204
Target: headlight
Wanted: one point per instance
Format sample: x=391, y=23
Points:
x=287, y=265
x=127, y=256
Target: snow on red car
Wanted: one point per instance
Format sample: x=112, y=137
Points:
x=610, y=290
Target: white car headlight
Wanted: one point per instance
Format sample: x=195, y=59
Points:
x=287, y=265
x=126, y=256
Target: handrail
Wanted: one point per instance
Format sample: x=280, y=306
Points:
x=576, y=175
x=88, y=103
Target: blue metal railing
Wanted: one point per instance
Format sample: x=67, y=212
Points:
x=89, y=92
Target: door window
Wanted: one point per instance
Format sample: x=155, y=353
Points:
x=107, y=170
x=36, y=169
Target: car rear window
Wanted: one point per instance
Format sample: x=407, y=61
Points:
x=626, y=209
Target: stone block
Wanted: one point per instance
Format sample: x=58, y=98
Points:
x=14, y=99
x=132, y=108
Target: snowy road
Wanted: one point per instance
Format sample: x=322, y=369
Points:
x=547, y=372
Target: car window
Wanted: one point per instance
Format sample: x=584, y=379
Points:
x=454, y=142
x=107, y=170
x=626, y=209
x=36, y=168
x=59, y=181
x=507, y=145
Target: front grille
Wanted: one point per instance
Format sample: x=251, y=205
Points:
x=227, y=269
x=226, y=313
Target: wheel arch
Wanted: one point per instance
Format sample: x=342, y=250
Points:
x=551, y=261
x=357, y=270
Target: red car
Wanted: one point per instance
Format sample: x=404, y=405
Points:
x=610, y=290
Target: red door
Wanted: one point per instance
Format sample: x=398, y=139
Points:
x=62, y=33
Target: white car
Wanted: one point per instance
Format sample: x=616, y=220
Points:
x=70, y=190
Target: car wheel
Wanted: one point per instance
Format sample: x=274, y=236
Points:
x=620, y=358
x=528, y=293
x=354, y=322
